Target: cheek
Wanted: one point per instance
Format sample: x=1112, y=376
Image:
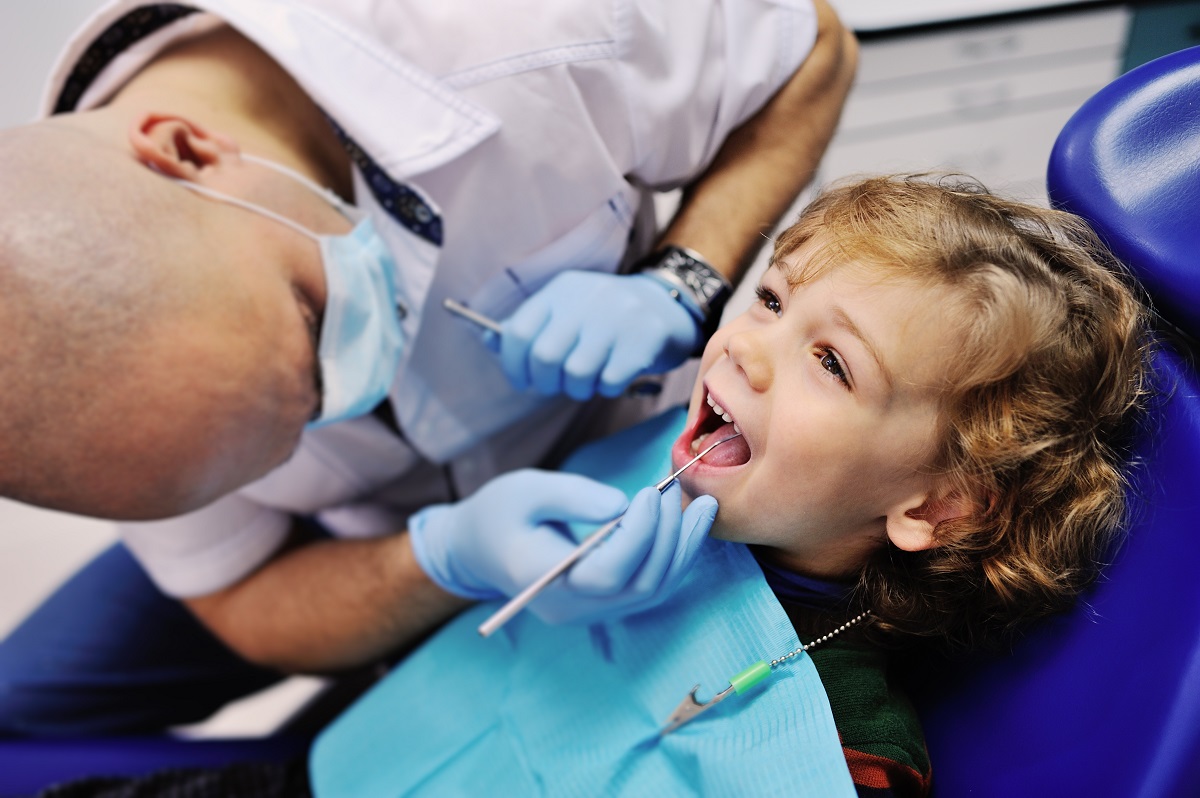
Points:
x=807, y=429
x=774, y=520
x=199, y=456
x=250, y=444
x=814, y=468
x=714, y=350
x=277, y=417
x=261, y=407
x=281, y=363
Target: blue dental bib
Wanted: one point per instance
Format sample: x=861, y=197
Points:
x=576, y=711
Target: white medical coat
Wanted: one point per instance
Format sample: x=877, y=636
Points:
x=535, y=129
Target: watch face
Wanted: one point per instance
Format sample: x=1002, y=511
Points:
x=698, y=276
x=696, y=282
x=707, y=288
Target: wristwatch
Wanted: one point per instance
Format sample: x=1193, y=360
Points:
x=698, y=287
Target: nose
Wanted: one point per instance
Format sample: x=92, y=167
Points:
x=750, y=351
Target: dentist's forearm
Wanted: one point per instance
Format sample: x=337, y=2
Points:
x=329, y=605
x=765, y=164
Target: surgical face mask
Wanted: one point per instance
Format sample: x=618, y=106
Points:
x=361, y=340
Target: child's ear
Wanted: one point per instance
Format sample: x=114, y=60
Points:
x=910, y=527
x=177, y=147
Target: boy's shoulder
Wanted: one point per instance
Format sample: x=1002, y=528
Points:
x=879, y=727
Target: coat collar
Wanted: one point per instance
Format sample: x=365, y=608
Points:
x=402, y=116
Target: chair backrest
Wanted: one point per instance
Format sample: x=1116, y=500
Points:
x=1106, y=700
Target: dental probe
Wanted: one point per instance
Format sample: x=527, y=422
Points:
x=518, y=602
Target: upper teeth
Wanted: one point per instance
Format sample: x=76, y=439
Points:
x=720, y=411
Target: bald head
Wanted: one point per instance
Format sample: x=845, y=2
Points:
x=85, y=282
x=156, y=348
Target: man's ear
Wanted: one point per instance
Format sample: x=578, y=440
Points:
x=910, y=527
x=178, y=147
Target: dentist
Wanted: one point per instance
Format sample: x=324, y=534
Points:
x=223, y=256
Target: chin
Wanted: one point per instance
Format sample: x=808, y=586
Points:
x=722, y=532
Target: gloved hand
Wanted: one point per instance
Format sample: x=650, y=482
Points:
x=587, y=332
x=514, y=529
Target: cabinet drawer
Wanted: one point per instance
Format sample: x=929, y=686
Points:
x=902, y=59
x=1005, y=154
x=873, y=15
x=885, y=113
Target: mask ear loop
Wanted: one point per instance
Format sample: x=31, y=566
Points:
x=221, y=196
x=326, y=194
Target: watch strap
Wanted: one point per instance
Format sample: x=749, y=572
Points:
x=697, y=286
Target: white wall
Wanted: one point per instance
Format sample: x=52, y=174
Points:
x=31, y=32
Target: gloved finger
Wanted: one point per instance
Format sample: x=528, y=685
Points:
x=609, y=567
x=694, y=527
x=649, y=578
x=519, y=332
x=518, y=527
x=697, y=521
x=491, y=341
x=552, y=497
x=550, y=349
x=582, y=369
x=631, y=356
x=544, y=547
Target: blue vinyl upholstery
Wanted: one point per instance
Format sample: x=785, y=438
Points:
x=1106, y=700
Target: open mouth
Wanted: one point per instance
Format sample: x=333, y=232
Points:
x=716, y=424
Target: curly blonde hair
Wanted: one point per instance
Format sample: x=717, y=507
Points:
x=1039, y=407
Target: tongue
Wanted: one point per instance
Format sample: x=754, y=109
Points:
x=731, y=453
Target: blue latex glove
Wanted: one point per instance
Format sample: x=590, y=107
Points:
x=586, y=333
x=514, y=529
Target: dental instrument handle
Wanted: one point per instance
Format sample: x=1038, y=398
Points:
x=519, y=601
x=461, y=310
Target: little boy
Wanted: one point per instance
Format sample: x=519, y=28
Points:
x=935, y=393
x=990, y=359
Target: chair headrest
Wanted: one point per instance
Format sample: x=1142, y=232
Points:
x=1129, y=162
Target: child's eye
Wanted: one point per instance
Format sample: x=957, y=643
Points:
x=768, y=299
x=830, y=362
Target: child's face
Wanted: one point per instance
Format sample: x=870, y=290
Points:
x=834, y=385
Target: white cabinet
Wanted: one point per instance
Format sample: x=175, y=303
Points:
x=985, y=99
x=864, y=15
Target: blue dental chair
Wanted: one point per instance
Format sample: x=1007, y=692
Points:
x=1106, y=700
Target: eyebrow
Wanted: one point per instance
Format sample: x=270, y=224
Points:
x=842, y=320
